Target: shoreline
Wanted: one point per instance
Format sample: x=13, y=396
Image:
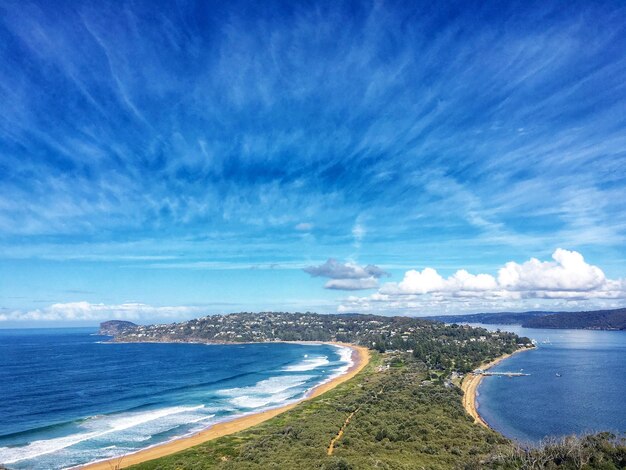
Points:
x=360, y=358
x=472, y=381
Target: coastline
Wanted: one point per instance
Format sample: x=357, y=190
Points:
x=360, y=358
x=470, y=387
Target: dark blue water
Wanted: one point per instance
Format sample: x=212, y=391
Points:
x=67, y=398
x=587, y=395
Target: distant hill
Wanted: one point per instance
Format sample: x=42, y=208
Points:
x=442, y=347
x=595, y=320
x=591, y=320
x=114, y=327
x=493, y=318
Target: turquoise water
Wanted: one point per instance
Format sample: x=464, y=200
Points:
x=577, y=385
x=68, y=399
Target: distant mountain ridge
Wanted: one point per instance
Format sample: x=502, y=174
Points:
x=589, y=320
x=594, y=320
x=503, y=318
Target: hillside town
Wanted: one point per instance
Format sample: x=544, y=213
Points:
x=452, y=347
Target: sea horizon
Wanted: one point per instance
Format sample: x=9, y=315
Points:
x=248, y=196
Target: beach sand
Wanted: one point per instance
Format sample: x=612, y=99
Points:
x=360, y=357
x=470, y=387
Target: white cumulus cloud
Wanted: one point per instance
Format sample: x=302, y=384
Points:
x=567, y=278
x=347, y=276
x=568, y=272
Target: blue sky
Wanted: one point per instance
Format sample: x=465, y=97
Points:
x=163, y=160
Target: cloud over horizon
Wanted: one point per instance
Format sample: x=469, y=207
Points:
x=144, y=154
x=566, y=282
x=568, y=277
x=91, y=312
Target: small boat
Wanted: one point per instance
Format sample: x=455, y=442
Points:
x=558, y=375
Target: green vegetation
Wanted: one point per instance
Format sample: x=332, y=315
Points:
x=603, y=451
x=592, y=320
x=491, y=318
x=403, y=411
x=115, y=327
x=440, y=347
x=596, y=320
x=401, y=422
x=461, y=348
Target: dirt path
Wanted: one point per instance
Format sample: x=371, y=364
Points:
x=331, y=447
x=361, y=358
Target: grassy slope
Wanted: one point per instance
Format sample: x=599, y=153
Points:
x=399, y=425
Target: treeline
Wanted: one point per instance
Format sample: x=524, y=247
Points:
x=441, y=347
x=595, y=320
x=491, y=318
x=400, y=424
x=603, y=451
x=400, y=420
x=459, y=348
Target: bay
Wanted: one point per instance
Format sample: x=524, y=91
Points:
x=69, y=397
x=577, y=385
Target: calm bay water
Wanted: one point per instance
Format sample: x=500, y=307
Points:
x=577, y=384
x=67, y=398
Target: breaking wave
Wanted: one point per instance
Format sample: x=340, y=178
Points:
x=309, y=363
x=100, y=426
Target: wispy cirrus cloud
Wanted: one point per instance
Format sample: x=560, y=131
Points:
x=281, y=132
x=134, y=173
x=304, y=227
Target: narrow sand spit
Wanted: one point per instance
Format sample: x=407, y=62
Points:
x=360, y=357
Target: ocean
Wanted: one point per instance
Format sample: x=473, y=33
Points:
x=69, y=398
x=577, y=385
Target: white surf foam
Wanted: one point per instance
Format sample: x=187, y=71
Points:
x=345, y=363
x=250, y=402
x=345, y=354
x=111, y=425
x=269, y=386
x=267, y=392
x=309, y=363
x=141, y=426
x=345, y=357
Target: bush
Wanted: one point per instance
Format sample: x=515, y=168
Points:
x=593, y=452
x=338, y=464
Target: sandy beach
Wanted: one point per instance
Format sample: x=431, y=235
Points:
x=360, y=358
x=470, y=386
